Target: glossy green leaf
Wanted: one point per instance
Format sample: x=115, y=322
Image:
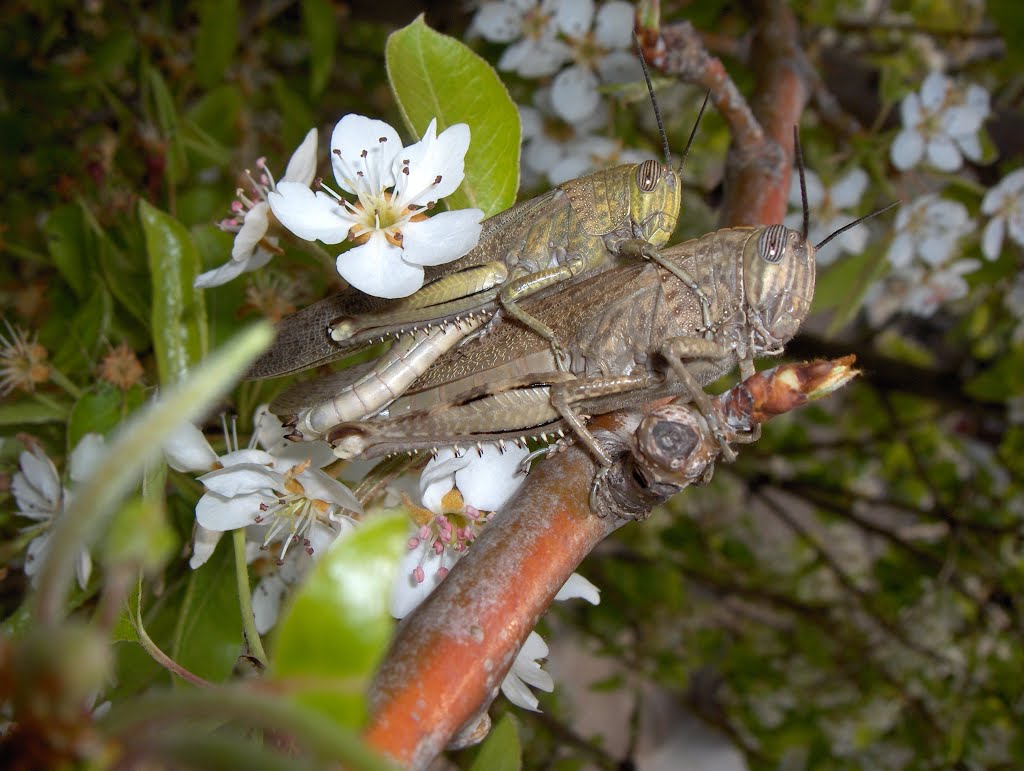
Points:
x=208, y=635
x=70, y=247
x=321, y=31
x=337, y=626
x=501, y=750
x=433, y=75
x=179, y=312
x=218, y=37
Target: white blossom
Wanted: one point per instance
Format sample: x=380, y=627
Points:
x=41, y=497
x=253, y=248
x=458, y=495
x=831, y=208
x=940, y=286
x=1004, y=203
x=394, y=186
x=941, y=123
x=532, y=29
x=929, y=228
x=279, y=491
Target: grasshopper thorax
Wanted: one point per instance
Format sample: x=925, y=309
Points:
x=778, y=285
x=655, y=197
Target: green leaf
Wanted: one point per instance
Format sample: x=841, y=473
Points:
x=320, y=25
x=70, y=247
x=85, y=332
x=167, y=119
x=218, y=36
x=101, y=409
x=28, y=412
x=841, y=287
x=179, y=312
x=208, y=635
x=501, y=751
x=139, y=536
x=335, y=631
x=433, y=75
x=295, y=113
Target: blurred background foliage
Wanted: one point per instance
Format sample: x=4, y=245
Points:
x=848, y=595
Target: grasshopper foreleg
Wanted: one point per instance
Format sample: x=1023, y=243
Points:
x=528, y=285
x=679, y=349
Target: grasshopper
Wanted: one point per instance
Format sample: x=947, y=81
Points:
x=580, y=228
x=646, y=340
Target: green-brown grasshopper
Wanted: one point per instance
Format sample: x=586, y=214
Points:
x=580, y=228
x=647, y=339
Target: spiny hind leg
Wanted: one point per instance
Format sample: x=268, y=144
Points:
x=517, y=289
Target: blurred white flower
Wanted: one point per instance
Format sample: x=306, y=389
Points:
x=940, y=286
x=1014, y=302
x=279, y=490
x=532, y=28
x=458, y=495
x=831, y=208
x=600, y=45
x=941, y=123
x=40, y=496
x=559, y=151
x=395, y=186
x=930, y=228
x=252, y=248
x=1004, y=203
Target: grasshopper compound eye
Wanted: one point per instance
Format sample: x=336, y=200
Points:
x=647, y=175
x=772, y=243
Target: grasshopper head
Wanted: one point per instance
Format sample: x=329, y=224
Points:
x=778, y=284
x=654, y=201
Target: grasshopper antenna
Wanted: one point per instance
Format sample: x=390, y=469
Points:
x=798, y=154
x=693, y=131
x=657, y=110
x=857, y=221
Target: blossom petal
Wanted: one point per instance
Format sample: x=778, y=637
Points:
x=438, y=477
x=526, y=670
x=242, y=479
x=35, y=554
x=86, y=457
x=442, y=238
x=432, y=158
x=910, y=111
x=204, y=542
x=936, y=249
x=377, y=268
x=490, y=479
x=407, y=593
x=535, y=59
x=319, y=486
x=577, y=586
x=970, y=146
x=992, y=239
x=302, y=164
x=574, y=17
x=613, y=26
x=570, y=167
x=309, y=215
x=933, y=90
x=247, y=455
x=619, y=67
x=83, y=568
x=36, y=487
x=498, y=22
x=901, y=250
x=217, y=512
x=907, y=150
x=253, y=230
x=352, y=137
x=574, y=93
x=943, y=153
x=231, y=270
x=847, y=192
x=266, y=602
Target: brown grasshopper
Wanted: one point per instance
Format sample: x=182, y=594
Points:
x=647, y=339
x=582, y=227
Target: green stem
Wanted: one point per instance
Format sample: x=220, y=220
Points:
x=154, y=650
x=59, y=378
x=252, y=637
x=51, y=403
